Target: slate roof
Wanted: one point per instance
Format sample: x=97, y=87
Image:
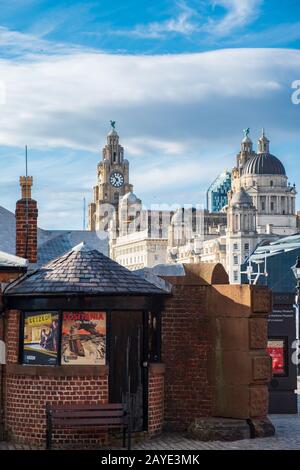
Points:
x=11, y=261
x=263, y=164
x=83, y=270
x=241, y=198
x=51, y=243
x=65, y=241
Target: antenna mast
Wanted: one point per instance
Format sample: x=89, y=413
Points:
x=83, y=225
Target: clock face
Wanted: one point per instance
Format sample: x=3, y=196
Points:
x=116, y=179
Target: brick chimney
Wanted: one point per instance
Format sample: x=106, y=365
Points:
x=26, y=222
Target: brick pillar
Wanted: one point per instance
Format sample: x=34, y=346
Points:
x=26, y=223
x=2, y=352
x=156, y=398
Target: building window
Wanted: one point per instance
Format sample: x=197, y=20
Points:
x=54, y=338
x=235, y=246
x=271, y=183
x=246, y=246
x=235, y=276
x=235, y=259
x=272, y=206
x=263, y=206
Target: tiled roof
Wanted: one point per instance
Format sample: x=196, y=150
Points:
x=11, y=261
x=65, y=241
x=83, y=270
x=7, y=231
x=51, y=243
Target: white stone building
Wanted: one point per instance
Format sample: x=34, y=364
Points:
x=261, y=204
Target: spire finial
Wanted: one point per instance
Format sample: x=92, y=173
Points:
x=246, y=132
x=263, y=142
x=113, y=124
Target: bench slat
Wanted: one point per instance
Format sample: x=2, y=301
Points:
x=90, y=422
x=86, y=413
x=106, y=406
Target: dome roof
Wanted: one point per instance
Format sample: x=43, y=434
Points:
x=263, y=164
x=112, y=132
x=129, y=198
x=241, y=198
x=247, y=139
x=177, y=217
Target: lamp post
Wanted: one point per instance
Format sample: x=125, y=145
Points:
x=296, y=271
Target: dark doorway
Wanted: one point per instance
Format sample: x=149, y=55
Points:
x=127, y=374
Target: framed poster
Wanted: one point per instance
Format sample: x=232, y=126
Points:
x=40, y=338
x=83, y=338
x=276, y=349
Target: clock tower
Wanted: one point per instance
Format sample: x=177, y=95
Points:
x=112, y=180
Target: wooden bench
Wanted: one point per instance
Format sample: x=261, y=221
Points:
x=106, y=416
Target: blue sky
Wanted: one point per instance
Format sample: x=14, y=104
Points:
x=181, y=78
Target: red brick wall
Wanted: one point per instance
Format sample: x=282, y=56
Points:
x=185, y=348
x=156, y=398
x=26, y=397
x=21, y=229
x=26, y=400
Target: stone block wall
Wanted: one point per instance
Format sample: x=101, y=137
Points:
x=240, y=367
x=214, y=339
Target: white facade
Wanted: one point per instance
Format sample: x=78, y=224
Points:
x=137, y=250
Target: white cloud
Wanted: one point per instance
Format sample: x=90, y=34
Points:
x=65, y=100
x=181, y=24
x=238, y=14
x=179, y=117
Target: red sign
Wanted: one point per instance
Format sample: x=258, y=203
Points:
x=276, y=350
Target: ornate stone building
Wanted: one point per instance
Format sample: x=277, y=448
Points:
x=112, y=182
x=264, y=178
x=241, y=236
x=261, y=206
x=261, y=203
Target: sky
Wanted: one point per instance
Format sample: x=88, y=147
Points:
x=182, y=79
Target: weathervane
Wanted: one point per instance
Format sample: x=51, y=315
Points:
x=113, y=124
x=246, y=132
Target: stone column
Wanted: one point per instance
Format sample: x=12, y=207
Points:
x=240, y=367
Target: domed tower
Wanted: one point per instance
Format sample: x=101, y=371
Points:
x=241, y=235
x=112, y=180
x=246, y=151
x=264, y=178
x=130, y=213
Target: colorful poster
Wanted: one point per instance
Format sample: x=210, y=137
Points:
x=40, y=338
x=83, y=338
x=276, y=351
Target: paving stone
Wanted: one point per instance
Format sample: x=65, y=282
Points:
x=287, y=437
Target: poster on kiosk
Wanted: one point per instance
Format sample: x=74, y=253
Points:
x=83, y=338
